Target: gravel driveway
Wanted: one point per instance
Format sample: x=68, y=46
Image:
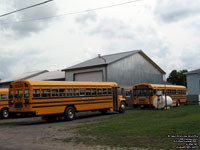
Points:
x=36, y=134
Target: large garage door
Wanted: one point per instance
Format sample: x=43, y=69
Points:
x=89, y=76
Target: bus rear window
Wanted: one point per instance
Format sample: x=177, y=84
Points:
x=26, y=93
x=18, y=94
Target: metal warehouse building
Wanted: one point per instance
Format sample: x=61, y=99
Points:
x=127, y=69
x=193, y=86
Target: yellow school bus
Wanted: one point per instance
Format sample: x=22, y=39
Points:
x=145, y=94
x=4, y=108
x=51, y=99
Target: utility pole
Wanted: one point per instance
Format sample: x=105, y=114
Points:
x=99, y=55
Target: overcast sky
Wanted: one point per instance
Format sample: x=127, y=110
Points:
x=168, y=31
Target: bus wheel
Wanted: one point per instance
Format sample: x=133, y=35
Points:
x=5, y=113
x=69, y=113
x=122, y=107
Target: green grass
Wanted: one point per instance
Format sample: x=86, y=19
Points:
x=141, y=128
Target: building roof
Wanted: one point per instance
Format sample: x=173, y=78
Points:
x=108, y=59
x=160, y=86
x=193, y=72
x=51, y=75
x=23, y=76
x=66, y=83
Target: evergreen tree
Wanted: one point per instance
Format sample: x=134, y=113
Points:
x=177, y=77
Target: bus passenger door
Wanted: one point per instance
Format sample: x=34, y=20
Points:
x=115, y=108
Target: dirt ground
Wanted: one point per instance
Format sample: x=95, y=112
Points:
x=36, y=134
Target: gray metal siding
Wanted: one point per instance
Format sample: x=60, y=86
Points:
x=193, y=84
x=133, y=70
x=70, y=75
x=89, y=76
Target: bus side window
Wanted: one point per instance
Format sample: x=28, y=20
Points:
x=94, y=92
x=104, y=91
x=69, y=92
x=82, y=91
x=76, y=92
x=109, y=91
x=54, y=92
x=62, y=92
x=99, y=91
x=3, y=97
x=88, y=92
x=45, y=93
x=36, y=92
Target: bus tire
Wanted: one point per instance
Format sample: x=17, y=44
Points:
x=4, y=113
x=69, y=113
x=122, y=107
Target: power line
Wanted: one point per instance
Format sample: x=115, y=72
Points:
x=26, y=8
x=73, y=13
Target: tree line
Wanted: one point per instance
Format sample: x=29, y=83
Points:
x=177, y=77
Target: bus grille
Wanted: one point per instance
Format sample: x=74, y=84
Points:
x=18, y=105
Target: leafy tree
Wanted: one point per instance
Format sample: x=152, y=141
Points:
x=177, y=77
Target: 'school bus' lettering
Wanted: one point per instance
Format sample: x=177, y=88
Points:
x=52, y=98
x=144, y=94
x=4, y=108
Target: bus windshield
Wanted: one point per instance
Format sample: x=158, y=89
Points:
x=142, y=92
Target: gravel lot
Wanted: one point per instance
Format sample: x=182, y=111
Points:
x=36, y=134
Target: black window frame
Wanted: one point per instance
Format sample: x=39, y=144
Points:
x=76, y=92
x=38, y=93
x=88, y=91
x=54, y=94
x=69, y=92
x=45, y=93
x=62, y=92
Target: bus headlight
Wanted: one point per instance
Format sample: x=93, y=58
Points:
x=10, y=102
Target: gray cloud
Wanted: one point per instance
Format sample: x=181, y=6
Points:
x=111, y=29
x=175, y=10
x=190, y=60
x=15, y=62
x=26, y=28
x=86, y=18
